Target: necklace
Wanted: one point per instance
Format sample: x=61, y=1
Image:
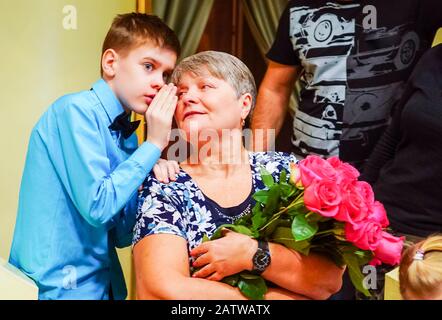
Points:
x=235, y=217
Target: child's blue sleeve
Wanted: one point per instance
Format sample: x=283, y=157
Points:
x=124, y=225
x=98, y=189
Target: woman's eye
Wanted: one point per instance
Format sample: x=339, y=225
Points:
x=206, y=86
x=148, y=66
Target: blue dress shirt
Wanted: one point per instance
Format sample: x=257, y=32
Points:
x=78, y=197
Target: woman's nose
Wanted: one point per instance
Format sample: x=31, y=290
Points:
x=189, y=97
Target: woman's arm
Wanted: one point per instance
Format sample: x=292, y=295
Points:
x=312, y=276
x=162, y=272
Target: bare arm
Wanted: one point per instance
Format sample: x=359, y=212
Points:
x=313, y=276
x=162, y=272
x=272, y=102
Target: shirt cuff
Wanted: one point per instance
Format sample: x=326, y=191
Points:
x=146, y=156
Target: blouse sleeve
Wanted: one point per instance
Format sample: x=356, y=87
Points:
x=159, y=211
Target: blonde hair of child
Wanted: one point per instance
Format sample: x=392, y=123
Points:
x=420, y=271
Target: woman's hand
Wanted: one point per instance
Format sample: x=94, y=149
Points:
x=223, y=257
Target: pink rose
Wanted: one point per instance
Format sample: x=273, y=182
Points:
x=357, y=201
x=366, y=236
x=314, y=168
x=389, y=249
x=378, y=214
x=365, y=191
x=375, y=262
x=323, y=197
x=345, y=170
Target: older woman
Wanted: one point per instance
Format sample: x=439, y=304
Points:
x=215, y=186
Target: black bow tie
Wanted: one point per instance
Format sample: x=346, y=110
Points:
x=123, y=124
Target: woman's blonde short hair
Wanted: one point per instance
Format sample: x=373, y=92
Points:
x=420, y=271
x=221, y=65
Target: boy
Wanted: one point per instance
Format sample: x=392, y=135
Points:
x=78, y=194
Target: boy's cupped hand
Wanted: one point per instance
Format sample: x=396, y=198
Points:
x=159, y=116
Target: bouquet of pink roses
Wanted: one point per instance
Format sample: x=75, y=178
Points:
x=321, y=208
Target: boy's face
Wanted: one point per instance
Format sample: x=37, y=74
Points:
x=138, y=76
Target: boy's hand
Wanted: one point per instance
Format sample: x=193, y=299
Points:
x=166, y=170
x=159, y=116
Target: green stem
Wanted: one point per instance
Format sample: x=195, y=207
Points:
x=324, y=232
x=298, y=200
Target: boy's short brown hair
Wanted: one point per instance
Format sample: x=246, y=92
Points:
x=131, y=30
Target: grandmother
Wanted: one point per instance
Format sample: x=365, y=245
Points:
x=215, y=186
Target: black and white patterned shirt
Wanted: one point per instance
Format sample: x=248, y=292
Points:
x=356, y=57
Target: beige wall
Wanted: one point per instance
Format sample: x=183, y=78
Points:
x=39, y=61
x=438, y=38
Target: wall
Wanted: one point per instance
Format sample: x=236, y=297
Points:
x=39, y=61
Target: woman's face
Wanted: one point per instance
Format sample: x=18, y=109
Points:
x=208, y=103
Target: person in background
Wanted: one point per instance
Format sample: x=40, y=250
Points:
x=353, y=59
x=405, y=167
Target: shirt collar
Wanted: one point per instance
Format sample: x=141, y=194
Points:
x=108, y=99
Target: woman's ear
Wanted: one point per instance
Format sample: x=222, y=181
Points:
x=247, y=102
x=109, y=63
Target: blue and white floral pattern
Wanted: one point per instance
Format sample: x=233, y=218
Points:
x=180, y=208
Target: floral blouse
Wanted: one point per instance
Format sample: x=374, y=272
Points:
x=181, y=208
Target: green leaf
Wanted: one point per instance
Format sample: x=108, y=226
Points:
x=273, y=200
x=364, y=256
x=253, y=288
x=258, y=220
x=303, y=229
x=261, y=196
x=248, y=275
x=205, y=238
x=285, y=222
x=286, y=191
x=267, y=178
x=268, y=231
x=356, y=276
x=246, y=220
x=296, y=210
x=218, y=232
x=231, y=280
x=283, y=176
x=315, y=217
x=283, y=235
x=240, y=229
